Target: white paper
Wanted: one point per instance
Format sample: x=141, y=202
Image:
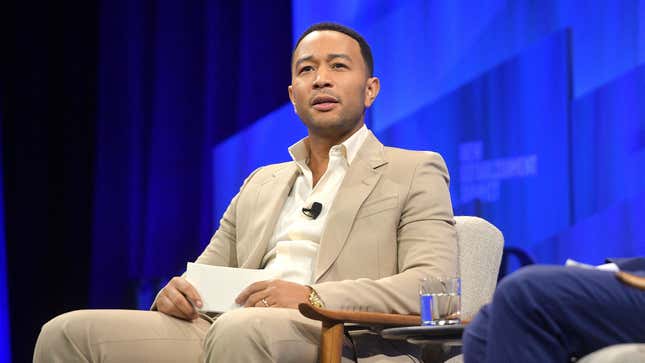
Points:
x=219, y=286
x=605, y=267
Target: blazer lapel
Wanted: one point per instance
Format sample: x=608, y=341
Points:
x=271, y=197
x=360, y=180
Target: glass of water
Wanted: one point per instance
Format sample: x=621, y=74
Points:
x=440, y=300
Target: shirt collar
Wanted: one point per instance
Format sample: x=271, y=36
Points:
x=300, y=151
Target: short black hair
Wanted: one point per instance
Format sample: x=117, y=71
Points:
x=366, y=52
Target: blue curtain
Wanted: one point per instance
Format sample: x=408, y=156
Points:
x=5, y=337
x=175, y=78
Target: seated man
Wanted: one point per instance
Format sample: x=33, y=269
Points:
x=553, y=314
x=386, y=220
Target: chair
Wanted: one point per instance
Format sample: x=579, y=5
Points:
x=480, y=252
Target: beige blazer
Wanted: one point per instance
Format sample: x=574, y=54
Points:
x=390, y=224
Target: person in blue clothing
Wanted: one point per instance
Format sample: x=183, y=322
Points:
x=556, y=314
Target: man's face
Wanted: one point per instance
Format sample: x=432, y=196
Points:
x=330, y=87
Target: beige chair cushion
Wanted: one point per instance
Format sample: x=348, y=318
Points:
x=480, y=253
x=619, y=353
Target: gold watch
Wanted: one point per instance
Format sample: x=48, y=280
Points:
x=314, y=298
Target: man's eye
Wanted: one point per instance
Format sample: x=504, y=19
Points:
x=338, y=65
x=306, y=69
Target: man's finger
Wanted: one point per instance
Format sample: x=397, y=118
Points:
x=256, y=298
x=181, y=303
x=261, y=304
x=167, y=307
x=250, y=290
x=187, y=289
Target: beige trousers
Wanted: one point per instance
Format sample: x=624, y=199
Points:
x=243, y=335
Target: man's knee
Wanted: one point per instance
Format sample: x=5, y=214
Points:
x=63, y=326
x=237, y=327
x=262, y=335
x=527, y=286
x=59, y=337
x=535, y=276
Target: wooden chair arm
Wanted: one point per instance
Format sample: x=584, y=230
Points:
x=358, y=317
x=632, y=280
x=331, y=335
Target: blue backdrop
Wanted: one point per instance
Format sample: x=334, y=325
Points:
x=537, y=107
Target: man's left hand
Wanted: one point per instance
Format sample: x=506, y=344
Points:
x=274, y=293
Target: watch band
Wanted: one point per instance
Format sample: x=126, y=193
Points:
x=314, y=299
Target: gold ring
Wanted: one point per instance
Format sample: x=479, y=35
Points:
x=264, y=301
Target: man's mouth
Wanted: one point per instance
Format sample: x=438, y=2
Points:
x=324, y=102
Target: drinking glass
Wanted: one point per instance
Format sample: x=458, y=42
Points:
x=440, y=300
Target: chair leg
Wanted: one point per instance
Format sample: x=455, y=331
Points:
x=331, y=342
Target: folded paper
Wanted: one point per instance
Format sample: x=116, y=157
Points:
x=218, y=286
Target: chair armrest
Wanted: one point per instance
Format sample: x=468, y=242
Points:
x=358, y=317
x=632, y=280
x=331, y=335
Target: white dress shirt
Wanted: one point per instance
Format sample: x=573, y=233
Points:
x=293, y=247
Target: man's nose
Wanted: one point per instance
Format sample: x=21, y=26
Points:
x=322, y=79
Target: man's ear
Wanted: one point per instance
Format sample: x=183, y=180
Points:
x=292, y=97
x=372, y=88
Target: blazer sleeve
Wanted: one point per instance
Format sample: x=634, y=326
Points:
x=426, y=242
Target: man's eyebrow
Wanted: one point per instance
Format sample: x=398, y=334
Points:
x=338, y=55
x=329, y=58
x=303, y=59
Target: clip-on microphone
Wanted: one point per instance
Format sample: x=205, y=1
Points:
x=314, y=211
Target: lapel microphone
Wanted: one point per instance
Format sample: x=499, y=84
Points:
x=314, y=211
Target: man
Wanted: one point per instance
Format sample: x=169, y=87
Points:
x=556, y=313
x=386, y=220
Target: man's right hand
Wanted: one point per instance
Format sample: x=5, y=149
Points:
x=175, y=299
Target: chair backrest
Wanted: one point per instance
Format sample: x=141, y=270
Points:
x=480, y=254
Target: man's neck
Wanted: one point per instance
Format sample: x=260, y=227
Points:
x=319, y=146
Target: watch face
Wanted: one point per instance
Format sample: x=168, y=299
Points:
x=315, y=300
